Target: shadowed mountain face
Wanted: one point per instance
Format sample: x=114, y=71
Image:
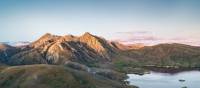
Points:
x=6, y=51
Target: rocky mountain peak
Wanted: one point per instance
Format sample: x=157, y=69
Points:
x=98, y=44
x=55, y=49
x=92, y=41
x=47, y=35
x=87, y=34
x=45, y=39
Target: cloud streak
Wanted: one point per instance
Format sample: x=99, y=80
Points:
x=148, y=38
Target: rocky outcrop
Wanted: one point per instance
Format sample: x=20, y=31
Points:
x=98, y=44
x=54, y=49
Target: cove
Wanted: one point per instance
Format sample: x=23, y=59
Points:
x=185, y=79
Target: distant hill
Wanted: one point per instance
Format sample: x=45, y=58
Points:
x=167, y=55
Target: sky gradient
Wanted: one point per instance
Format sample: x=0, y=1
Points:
x=128, y=21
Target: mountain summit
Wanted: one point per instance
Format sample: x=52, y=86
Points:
x=55, y=49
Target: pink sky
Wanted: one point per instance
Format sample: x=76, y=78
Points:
x=148, y=38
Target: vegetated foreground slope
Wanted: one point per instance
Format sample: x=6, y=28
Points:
x=53, y=76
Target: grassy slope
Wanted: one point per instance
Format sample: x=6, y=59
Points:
x=166, y=55
x=52, y=76
x=163, y=55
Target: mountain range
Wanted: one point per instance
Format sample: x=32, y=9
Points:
x=89, y=54
x=88, y=49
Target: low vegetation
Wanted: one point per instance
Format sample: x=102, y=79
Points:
x=52, y=76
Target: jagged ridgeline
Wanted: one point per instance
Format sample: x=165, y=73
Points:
x=60, y=62
x=53, y=49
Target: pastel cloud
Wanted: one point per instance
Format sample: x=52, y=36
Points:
x=148, y=38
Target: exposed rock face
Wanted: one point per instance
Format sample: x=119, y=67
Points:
x=44, y=40
x=54, y=49
x=99, y=45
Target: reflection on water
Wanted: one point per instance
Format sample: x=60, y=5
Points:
x=188, y=79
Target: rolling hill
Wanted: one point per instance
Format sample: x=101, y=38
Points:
x=53, y=76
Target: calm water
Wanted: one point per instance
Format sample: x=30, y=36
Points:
x=166, y=80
